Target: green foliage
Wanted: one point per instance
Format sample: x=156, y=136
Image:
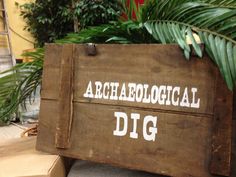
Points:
x=173, y=21
x=225, y=3
x=214, y=24
x=19, y=84
x=97, y=12
x=157, y=21
x=117, y=32
x=47, y=20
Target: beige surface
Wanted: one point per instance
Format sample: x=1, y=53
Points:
x=18, y=158
x=10, y=132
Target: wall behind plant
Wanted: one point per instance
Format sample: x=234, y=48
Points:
x=21, y=39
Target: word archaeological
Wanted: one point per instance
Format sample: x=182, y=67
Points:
x=143, y=93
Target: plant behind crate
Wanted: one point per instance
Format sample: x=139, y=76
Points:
x=49, y=20
x=156, y=21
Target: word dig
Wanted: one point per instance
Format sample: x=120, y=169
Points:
x=149, y=132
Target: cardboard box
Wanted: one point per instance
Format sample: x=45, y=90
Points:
x=18, y=158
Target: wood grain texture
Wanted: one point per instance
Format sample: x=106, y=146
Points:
x=150, y=64
x=234, y=105
x=222, y=130
x=65, y=99
x=65, y=53
x=183, y=147
x=181, y=138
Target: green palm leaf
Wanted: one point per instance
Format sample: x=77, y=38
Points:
x=221, y=50
x=172, y=21
x=213, y=20
x=222, y=3
x=219, y=47
x=19, y=84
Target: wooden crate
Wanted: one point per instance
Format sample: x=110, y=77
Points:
x=141, y=107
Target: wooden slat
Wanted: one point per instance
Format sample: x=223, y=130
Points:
x=51, y=71
x=234, y=105
x=64, y=122
x=222, y=130
x=64, y=55
x=180, y=138
x=145, y=64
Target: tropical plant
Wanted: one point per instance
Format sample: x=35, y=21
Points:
x=19, y=84
x=96, y=12
x=48, y=20
x=164, y=21
x=173, y=21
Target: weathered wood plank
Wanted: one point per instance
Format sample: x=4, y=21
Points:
x=65, y=99
x=222, y=130
x=141, y=64
x=179, y=137
x=51, y=71
x=63, y=129
x=234, y=105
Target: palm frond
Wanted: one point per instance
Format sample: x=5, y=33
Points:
x=215, y=18
x=223, y=53
x=167, y=32
x=226, y=3
x=116, y=32
x=19, y=84
x=172, y=21
x=220, y=48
